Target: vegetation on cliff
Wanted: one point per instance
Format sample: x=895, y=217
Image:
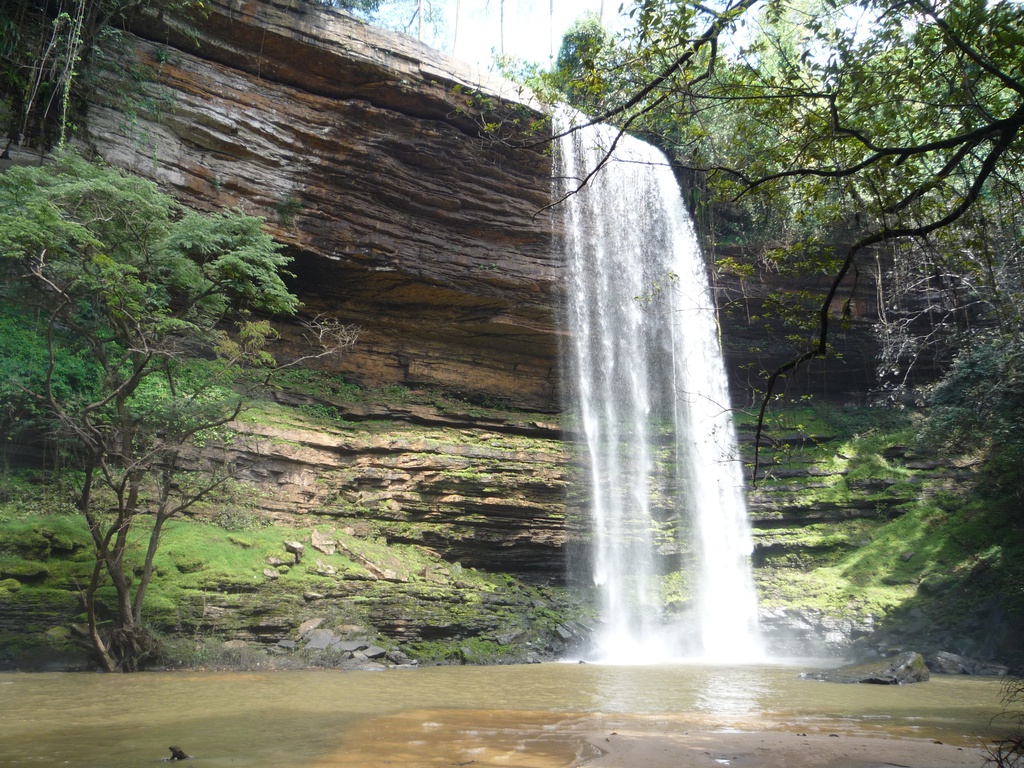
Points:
x=862, y=518
x=871, y=154
x=389, y=535
x=821, y=132
x=448, y=520
x=117, y=295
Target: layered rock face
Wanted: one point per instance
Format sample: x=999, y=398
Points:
x=406, y=186
x=410, y=191
x=486, y=491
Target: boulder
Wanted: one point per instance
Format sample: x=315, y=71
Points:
x=322, y=542
x=905, y=668
x=319, y=639
x=945, y=663
x=309, y=625
x=295, y=548
x=349, y=646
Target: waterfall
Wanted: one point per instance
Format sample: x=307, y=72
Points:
x=670, y=538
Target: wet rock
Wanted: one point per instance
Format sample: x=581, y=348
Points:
x=905, y=668
x=945, y=663
x=45, y=658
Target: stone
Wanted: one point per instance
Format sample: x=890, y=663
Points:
x=177, y=753
x=565, y=632
x=349, y=646
x=322, y=542
x=296, y=548
x=374, y=652
x=308, y=626
x=288, y=645
x=271, y=574
x=274, y=562
x=323, y=569
x=396, y=656
x=945, y=663
x=905, y=668
x=319, y=639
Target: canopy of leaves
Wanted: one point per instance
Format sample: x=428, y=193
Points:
x=125, y=284
x=123, y=254
x=579, y=64
x=817, y=130
x=116, y=300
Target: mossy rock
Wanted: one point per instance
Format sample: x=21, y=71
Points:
x=23, y=571
x=186, y=563
x=905, y=668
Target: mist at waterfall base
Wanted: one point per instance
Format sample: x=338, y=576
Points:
x=670, y=541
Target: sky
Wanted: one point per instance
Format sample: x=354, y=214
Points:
x=532, y=30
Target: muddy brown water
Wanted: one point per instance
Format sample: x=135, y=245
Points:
x=531, y=716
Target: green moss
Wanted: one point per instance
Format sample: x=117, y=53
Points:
x=927, y=542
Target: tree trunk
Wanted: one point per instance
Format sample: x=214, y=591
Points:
x=107, y=661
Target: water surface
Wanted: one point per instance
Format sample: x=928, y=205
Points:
x=532, y=716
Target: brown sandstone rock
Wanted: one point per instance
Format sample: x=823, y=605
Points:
x=363, y=149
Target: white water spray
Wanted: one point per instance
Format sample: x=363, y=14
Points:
x=647, y=380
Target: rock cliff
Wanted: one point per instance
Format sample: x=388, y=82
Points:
x=406, y=185
x=408, y=190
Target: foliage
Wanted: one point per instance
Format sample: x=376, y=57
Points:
x=833, y=128
x=1009, y=752
x=43, y=51
x=583, y=52
x=123, y=288
x=365, y=6
x=979, y=405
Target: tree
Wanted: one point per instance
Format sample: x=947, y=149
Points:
x=136, y=292
x=873, y=122
x=579, y=63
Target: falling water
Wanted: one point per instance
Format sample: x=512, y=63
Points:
x=648, y=384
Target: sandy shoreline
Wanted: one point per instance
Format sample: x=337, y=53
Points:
x=506, y=739
x=633, y=747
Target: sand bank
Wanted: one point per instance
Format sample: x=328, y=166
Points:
x=641, y=746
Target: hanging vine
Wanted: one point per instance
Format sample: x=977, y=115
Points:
x=43, y=49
